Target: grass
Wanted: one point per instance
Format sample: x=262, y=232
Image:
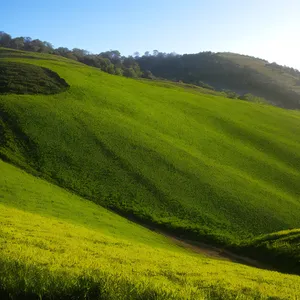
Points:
x=279, y=76
x=180, y=85
x=56, y=245
x=199, y=165
x=20, y=78
x=282, y=249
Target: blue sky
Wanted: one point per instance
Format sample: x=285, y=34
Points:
x=268, y=29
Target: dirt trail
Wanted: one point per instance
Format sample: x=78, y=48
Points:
x=214, y=252
x=204, y=249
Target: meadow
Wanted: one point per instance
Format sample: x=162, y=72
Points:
x=198, y=165
x=56, y=245
x=194, y=163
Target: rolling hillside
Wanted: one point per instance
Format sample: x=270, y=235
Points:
x=237, y=75
x=279, y=74
x=282, y=247
x=56, y=245
x=195, y=163
x=200, y=166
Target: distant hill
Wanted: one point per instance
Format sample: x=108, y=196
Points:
x=228, y=71
x=281, y=74
x=235, y=75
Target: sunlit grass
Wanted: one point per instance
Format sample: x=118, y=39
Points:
x=57, y=244
x=200, y=166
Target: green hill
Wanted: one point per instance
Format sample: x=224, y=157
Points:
x=56, y=245
x=199, y=165
x=236, y=74
x=280, y=74
x=282, y=247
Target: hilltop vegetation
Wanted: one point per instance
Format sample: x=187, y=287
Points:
x=235, y=75
x=18, y=78
x=56, y=245
x=288, y=76
x=227, y=71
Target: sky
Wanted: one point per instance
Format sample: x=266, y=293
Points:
x=268, y=29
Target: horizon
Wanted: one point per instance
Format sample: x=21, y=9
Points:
x=229, y=26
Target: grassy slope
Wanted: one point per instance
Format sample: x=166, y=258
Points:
x=259, y=65
x=282, y=247
x=20, y=78
x=199, y=164
x=178, y=86
x=56, y=244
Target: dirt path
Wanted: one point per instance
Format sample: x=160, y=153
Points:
x=205, y=249
x=214, y=252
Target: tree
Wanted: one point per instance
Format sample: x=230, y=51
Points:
x=129, y=72
x=90, y=60
x=231, y=94
x=62, y=51
x=155, y=52
x=18, y=43
x=136, y=55
x=103, y=63
x=27, y=42
x=48, y=47
x=148, y=75
x=70, y=55
x=5, y=39
x=79, y=53
x=113, y=55
x=119, y=71
x=131, y=63
x=36, y=46
x=110, y=69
